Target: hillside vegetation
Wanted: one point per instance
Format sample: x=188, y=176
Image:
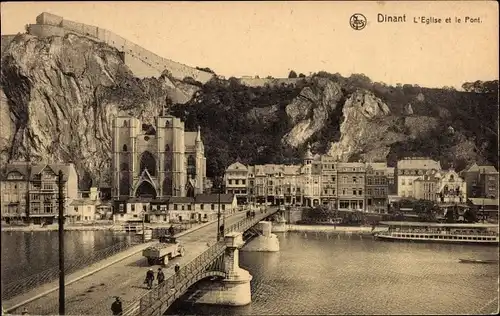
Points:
x=423, y=116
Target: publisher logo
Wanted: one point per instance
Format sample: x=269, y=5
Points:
x=357, y=21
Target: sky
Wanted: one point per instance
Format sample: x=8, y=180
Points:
x=271, y=38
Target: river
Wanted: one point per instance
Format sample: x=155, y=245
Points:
x=26, y=255
x=328, y=274
x=314, y=273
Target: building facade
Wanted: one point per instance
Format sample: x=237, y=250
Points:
x=30, y=192
x=351, y=186
x=409, y=170
x=175, y=209
x=426, y=186
x=377, y=187
x=482, y=181
x=158, y=160
x=451, y=188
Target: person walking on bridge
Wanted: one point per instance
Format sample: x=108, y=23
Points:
x=150, y=277
x=116, y=307
x=160, y=276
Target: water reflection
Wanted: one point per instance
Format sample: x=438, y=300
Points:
x=325, y=274
x=28, y=253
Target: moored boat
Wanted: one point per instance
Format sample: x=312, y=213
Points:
x=486, y=261
x=486, y=234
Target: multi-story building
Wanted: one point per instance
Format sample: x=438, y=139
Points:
x=351, y=185
x=320, y=180
x=376, y=187
x=329, y=181
x=451, y=188
x=235, y=179
x=409, y=170
x=425, y=187
x=200, y=208
x=156, y=161
x=311, y=173
x=482, y=181
x=30, y=192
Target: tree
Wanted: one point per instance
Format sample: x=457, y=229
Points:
x=451, y=214
x=425, y=210
x=292, y=74
x=470, y=215
x=301, y=75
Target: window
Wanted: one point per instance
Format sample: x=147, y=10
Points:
x=251, y=182
x=175, y=207
x=76, y=208
x=201, y=206
x=223, y=206
x=402, y=181
x=132, y=207
x=370, y=181
x=360, y=192
x=230, y=181
x=124, y=148
x=243, y=181
x=353, y=179
x=144, y=208
x=353, y=191
x=189, y=207
x=212, y=207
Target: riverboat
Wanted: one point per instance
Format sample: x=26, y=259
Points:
x=486, y=234
x=486, y=261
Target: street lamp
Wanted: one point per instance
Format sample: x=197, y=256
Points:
x=61, y=243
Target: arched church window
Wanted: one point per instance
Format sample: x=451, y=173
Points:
x=191, y=165
x=125, y=148
x=168, y=163
x=125, y=123
x=148, y=161
x=167, y=147
x=167, y=123
x=167, y=184
x=124, y=166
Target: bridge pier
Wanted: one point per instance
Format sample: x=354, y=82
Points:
x=266, y=242
x=234, y=290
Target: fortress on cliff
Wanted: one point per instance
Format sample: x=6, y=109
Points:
x=142, y=62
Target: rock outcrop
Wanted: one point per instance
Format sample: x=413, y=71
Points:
x=365, y=129
x=310, y=110
x=63, y=93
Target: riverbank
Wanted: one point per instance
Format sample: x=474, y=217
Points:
x=94, y=227
x=364, y=230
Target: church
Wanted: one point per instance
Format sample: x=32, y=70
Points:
x=155, y=161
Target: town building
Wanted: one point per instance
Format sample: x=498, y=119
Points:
x=235, y=179
x=311, y=173
x=377, y=187
x=451, y=189
x=409, y=170
x=156, y=160
x=175, y=209
x=482, y=181
x=85, y=208
x=30, y=192
x=329, y=194
x=426, y=186
x=351, y=185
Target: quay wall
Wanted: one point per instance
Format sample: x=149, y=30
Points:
x=142, y=62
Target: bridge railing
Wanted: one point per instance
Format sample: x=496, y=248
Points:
x=248, y=222
x=167, y=292
x=164, y=291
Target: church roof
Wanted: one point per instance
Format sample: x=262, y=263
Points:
x=482, y=169
x=23, y=168
x=190, y=138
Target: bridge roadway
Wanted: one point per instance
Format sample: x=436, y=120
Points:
x=94, y=294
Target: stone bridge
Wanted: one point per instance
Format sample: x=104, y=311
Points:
x=231, y=285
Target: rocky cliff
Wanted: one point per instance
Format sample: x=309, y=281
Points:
x=61, y=95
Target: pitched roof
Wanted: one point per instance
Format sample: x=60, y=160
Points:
x=237, y=166
x=190, y=138
x=484, y=201
x=418, y=164
x=214, y=198
x=181, y=199
x=80, y=202
x=23, y=168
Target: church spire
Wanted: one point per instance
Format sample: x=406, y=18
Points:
x=198, y=135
